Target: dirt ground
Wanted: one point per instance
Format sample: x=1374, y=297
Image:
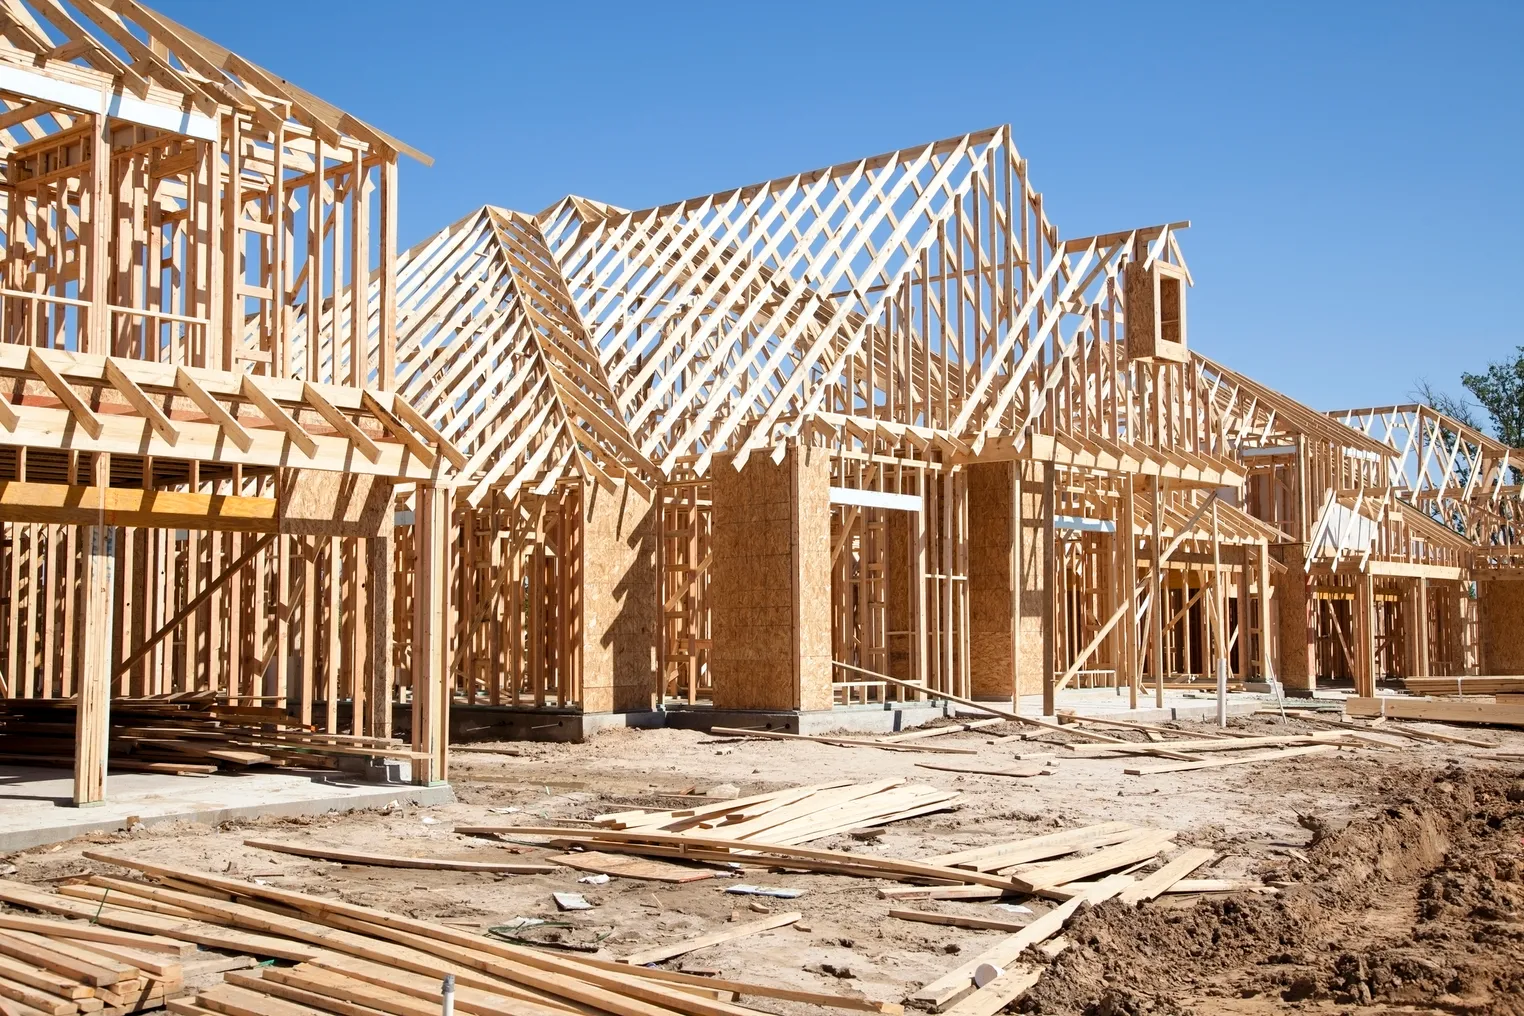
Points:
x=1401, y=871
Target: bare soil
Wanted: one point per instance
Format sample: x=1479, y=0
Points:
x=1402, y=870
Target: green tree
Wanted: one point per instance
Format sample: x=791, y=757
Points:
x=1501, y=393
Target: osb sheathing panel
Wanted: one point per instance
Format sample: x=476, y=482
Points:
x=620, y=601
x=1292, y=605
x=991, y=598
x=1033, y=575
x=770, y=604
x=1502, y=627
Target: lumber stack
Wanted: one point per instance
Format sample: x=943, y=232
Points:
x=1464, y=685
x=793, y=816
x=61, y=967
x=1439, y=711
x=351, y=959
x=187, y=734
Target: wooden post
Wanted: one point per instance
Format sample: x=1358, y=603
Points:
x=431, y=594
x=1129, y=661
x=92, y=716
x=1423, y=627
x=1266, y=672
x=1365, y=609
x=97, y=338
x=1157, y=619
x=1220, y=621
x=378, y=571
x=1050, y=585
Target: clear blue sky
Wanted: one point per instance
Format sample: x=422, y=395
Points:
x=1353, y=170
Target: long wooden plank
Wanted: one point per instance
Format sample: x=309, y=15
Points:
x=887, y=867
x=656, y=954
x=955, y=728
x=1216, y=763
x=751, y=988
x=956, y=920
x=959, y=982
x=42, y=955
x=1197, y=747
x=1036, y=848
x=93, y=933
x=1486, y=713
x=396, y=861
x=1173, y=871
x=621, y=866
x=626, y=995
x=845, y=742
x=1050, y=874
x=998, y=994
x=1023, y=773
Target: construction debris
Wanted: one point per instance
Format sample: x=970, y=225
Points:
x=793, y=816
x=185, y=733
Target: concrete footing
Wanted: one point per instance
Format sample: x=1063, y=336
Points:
x=36, y=803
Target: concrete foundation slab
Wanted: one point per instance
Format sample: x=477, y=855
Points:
x=36, y=803
x=854, y=719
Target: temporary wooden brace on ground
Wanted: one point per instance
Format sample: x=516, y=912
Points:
x=167, y=413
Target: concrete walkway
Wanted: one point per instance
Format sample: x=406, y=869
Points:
x=36, y=804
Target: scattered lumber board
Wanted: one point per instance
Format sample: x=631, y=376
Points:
x=1486, y=713
x=1216, y=885
x=717, y=848
x=1196, y=747
x=955, y=728
x=656, y=954
x=522, y=980
x=997, y=994
x=795, y=816
x=1037, y=848
x=396, y=861
x=957, y=920
x=624, y=866
x=959, y=982
x=844, y=742
x=1266, y=756
x=1151, y=886
x=1019, y=772
x=1051, y=874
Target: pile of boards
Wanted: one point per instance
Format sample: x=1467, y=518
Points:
x=1468, y=711
x=64, y=967
x=1121, y=846
x=343, y=956
x=792, y=816
x=1070, y=868
x=186, y=734
x=1464, y=685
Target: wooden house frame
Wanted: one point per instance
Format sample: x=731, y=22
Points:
x=1373, y=588
x=1469, y=483
x=195, y=495
x=892, y=371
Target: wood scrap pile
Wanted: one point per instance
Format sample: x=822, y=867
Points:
x=1009, y=868
x=350, y=958
x=907, y=741
x=792, y=816
x=187, y=734
x=65, y=967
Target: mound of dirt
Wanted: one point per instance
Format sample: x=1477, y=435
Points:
x=1420, y=904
